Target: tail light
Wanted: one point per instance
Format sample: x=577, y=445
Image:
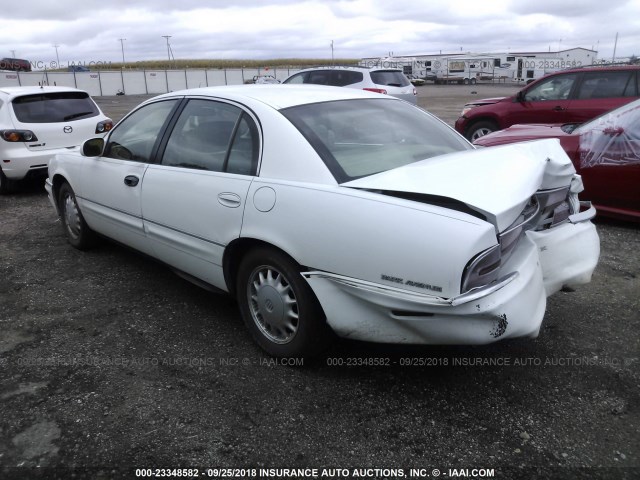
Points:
x=104, y=126
x=482, y=269
x=18, y=136
x=415, y=92
x=376, y=90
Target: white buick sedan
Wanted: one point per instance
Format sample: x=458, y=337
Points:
x=334, y=210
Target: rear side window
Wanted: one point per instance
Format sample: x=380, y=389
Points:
x=55, y=107
x=321, y=77
x=213, y=136
x=607, y=85
x=390, y=78
x=342, y=78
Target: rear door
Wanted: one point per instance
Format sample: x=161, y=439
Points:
x=193, y=200
x=602, y=91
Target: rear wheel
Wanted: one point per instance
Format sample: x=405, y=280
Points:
x=278, y=306
x=480, y=129
x=78, y=232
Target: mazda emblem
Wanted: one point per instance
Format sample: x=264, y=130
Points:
x=67, y=129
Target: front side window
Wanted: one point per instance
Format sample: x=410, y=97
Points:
x=357, y=138
x=134, y=137
x=298, y=78
x=213, y=136
x=554, y=88
x=55, y=107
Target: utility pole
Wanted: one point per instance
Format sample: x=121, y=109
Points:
x=57, y=57
x=332, y=61
x=615, y=46
x=122, y=45
x=167, y=37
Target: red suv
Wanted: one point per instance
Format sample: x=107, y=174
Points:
x=569, y=96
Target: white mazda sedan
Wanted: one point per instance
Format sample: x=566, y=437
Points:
x=330, y=210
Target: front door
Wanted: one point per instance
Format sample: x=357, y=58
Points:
x=546, y=102
x=111, y=194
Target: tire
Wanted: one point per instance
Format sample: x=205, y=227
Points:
x=78, y=233
x=480, y=129
x=466, y=81
x=473, y=81
x=278, y=307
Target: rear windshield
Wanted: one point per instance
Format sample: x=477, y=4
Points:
x=358, y=138
x=390, y=78
x=54, y=107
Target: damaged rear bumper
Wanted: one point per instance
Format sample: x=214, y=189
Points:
x=542, y=263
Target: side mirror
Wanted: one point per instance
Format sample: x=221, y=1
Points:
x=520, y=96
x=93, y=147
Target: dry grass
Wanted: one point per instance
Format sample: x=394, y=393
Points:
x=212, y=64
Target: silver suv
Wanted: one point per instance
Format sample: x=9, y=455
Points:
x=382, y=80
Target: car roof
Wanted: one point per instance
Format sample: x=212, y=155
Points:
x=13, y=92
x=279, y=96
x=598, y=68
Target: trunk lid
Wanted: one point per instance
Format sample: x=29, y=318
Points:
x=496, y=182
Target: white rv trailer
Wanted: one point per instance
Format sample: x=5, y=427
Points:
x=471, y=68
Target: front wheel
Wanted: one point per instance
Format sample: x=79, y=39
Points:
x=480, y=129
x=78, y=232
x=278, y=306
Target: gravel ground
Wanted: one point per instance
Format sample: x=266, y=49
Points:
x=112, y=363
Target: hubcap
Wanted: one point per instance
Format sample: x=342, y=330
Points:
x=273, y=304
x=71, y=215
x=481, y=132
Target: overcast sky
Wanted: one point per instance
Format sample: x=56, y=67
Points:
x=87, y=31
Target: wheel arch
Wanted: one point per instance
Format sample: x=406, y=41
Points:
x=235, y=252
x=56, y=182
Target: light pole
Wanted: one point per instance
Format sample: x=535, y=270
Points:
x=167, y=37
x=57, y=57
x=122, y=45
